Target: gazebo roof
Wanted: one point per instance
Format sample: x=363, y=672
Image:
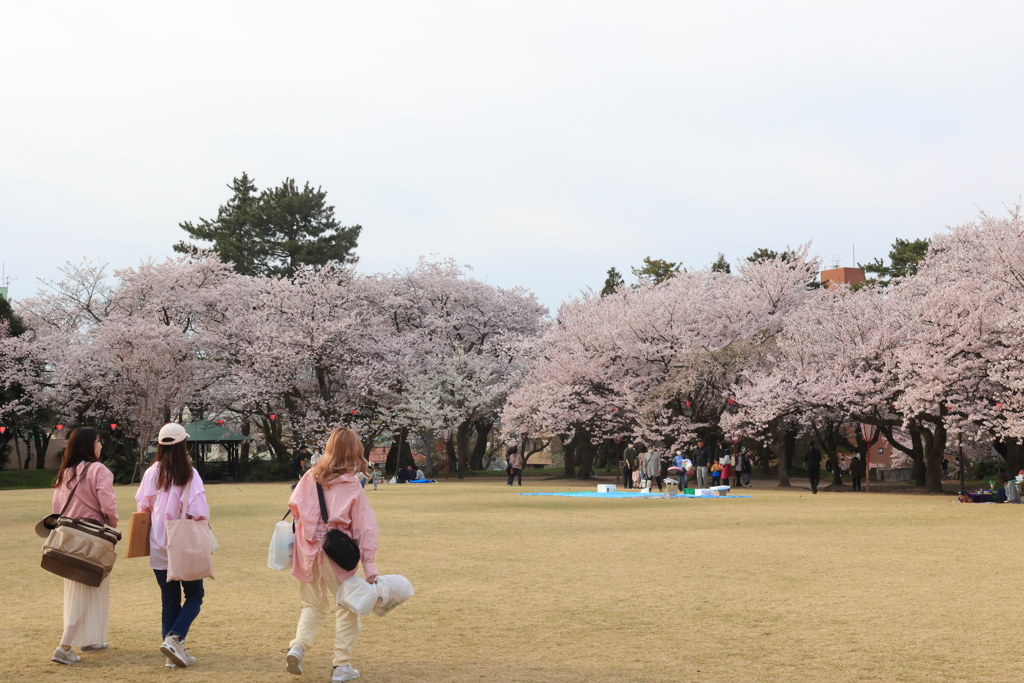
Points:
x=207, y=432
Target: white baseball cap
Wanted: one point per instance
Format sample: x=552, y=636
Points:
x=171, y=433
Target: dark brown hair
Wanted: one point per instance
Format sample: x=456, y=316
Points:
x=81, y=447
x=175, y=465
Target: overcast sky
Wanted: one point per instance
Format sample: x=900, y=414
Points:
x=540, y=142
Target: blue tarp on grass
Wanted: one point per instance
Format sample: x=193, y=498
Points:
x=624, y=494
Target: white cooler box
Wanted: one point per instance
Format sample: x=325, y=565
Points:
x=703, y=493
x=606, y=488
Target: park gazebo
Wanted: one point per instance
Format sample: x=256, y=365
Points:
x=202, y=436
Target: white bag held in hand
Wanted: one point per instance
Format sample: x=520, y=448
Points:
x=356, y=595
x=189, y=544
x=393, y=590
x=282, y=545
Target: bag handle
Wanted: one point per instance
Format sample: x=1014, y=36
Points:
x=72, y=494
x=184, y=498
x=323, y=505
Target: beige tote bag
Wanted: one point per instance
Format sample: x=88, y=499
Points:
x=189, y=552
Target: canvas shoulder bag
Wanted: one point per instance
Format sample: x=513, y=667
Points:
x=338, y=545
x=189, y=550
x=79, y=548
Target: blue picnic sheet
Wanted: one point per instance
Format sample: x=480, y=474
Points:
x=623, y=494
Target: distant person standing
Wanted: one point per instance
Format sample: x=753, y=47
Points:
x=629, y=465
x=812, y=461
x=856, y=471
x=702, y=463
x=727, y=467
x=515, y=465
x=652, y=467
x=376, y=476
x=684, y=466
x=748, y=468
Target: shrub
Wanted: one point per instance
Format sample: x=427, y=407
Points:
x=265, y=470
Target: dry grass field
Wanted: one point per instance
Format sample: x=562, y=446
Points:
x=783, y=586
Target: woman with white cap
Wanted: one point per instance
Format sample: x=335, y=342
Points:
x=160, y=493
x=84, y=488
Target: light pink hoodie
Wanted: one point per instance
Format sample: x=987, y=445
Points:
x=347, y=509
x=94, y=499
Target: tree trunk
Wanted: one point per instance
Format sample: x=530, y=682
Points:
x=1013, y=455
x=569, y=448
x=786, y=457
x=935, y=442
x=586, y=450
x=451, y=464
x=429, y=439
x=42, y=439
x=400, y=454
x=462, y=447
x=246, y=428
x=483, y=432
x=17, y=454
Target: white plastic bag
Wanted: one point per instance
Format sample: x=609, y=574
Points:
x=282, y=547
x=393, y=590
x=356, y=595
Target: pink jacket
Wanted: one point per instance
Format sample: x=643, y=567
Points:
x=166, y=505
x=347, y=509
x=94, y=499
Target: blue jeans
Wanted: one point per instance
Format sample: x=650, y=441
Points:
x=176, y=617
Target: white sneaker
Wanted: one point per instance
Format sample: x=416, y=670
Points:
x=168, y=664
x=94, y=648
x=176, y=652
x=62, y=656
x=344, y=673
x=294, y=660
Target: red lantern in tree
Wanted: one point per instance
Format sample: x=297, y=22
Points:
x=354, y=412
x=3, y=429
x=273, y=416
x=113, y=426
x=732, y=402
x=220, y=422
x=60, y=427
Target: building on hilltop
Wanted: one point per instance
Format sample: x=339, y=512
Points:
x=842, y=276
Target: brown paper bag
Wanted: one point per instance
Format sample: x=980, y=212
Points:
x=138, y=535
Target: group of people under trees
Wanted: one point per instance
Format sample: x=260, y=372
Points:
x=328, y=497
x=650, y=466
x=812, y=462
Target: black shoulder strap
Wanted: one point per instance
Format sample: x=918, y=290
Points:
x=72, y=494
x=323, y=505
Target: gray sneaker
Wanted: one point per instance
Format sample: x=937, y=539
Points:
x=62, y=656
x=344, y=673
x=294, y=660
x=173, y=649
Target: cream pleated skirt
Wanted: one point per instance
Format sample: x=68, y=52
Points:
x=86, y=613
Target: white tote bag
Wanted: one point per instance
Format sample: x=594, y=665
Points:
x=282, y=545
x=189, y=546
x=392, y=591
x=356, y=595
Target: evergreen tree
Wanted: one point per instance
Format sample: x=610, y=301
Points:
x=274, y=232
x=656, y=270
x=721, y=265
x=904, y=258
x=613, y=282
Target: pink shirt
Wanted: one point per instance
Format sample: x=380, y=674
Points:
x=347, y=509
x=94, y=498
x=165, y=505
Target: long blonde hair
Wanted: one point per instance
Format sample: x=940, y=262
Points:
x=342, y=454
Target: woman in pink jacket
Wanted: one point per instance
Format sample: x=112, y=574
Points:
x=319, y=578
x=86, y=609
x=161, y=492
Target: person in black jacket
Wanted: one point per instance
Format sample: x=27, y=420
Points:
x=812, y=461
x=702, y=463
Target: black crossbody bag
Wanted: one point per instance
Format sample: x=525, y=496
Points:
x=338, y=545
